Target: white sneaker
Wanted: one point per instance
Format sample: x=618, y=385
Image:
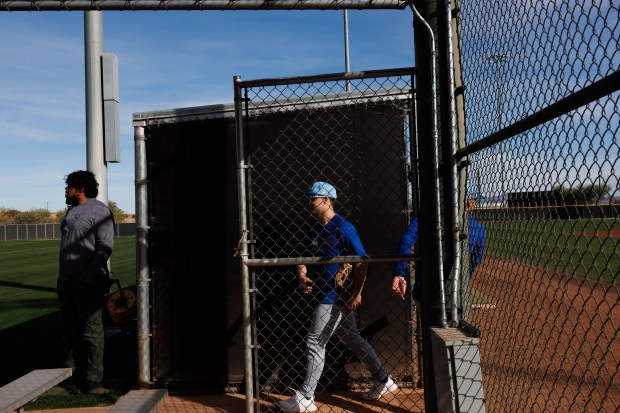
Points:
x=297, y=404
x=378, y=389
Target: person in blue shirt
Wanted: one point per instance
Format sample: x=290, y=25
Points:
x=331, y=236
x=477, y=241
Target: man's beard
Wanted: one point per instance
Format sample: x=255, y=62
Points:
x=71, y=201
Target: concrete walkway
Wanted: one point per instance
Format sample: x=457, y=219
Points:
x=404, y=400
x=227, y=403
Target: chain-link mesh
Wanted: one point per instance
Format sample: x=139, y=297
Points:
x=541, y=118
x=353, y=133
x=546, y=294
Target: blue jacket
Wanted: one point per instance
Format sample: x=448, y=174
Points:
x=477, y=241
x=338, y=237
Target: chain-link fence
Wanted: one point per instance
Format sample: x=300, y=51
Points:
x=23, y=232
x=540, y=114
x=535, y=111
x=542, y=123
x=353, y=133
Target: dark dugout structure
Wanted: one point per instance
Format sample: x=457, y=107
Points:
x=359, y=140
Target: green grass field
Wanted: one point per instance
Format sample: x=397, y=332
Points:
x=29, y=320
x=28, y=268
x=589, y=248
x=28, y=271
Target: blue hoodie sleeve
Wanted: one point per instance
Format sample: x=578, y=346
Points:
x=477, y=243
x=409, y=238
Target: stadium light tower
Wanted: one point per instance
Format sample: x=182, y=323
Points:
x=346, y=47
x=499, y=59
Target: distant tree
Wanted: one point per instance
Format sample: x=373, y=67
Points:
x=7, y=215
x=34, y=216
x=582, y=194
x=43, y=216
x=119, y=214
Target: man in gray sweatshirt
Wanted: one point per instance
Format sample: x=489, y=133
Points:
x=87, y=240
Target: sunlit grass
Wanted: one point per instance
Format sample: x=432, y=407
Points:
x=28, y=273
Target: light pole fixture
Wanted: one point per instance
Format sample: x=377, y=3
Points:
x=347, y=68
x=499, y=58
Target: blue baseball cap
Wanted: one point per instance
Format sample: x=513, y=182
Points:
x=319, y=189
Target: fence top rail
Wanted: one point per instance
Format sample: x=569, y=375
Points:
x=154, y=5
x=399, y=71
x=227, y=110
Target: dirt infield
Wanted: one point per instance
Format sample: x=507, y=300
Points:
x=612, y=234
x=551, y=343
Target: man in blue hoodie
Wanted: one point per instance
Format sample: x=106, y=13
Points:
x=477, y=240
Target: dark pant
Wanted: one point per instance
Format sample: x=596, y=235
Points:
x=81, y=311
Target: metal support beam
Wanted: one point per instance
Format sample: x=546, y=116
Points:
x=93, y=50
x=70, y=5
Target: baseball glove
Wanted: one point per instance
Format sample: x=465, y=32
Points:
x=344, y=276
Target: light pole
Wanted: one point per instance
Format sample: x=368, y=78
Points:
x=499, y=58
x=346, y=47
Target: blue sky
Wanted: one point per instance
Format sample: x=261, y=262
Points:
x=166, y=60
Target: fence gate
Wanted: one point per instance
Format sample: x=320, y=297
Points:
x=354, y=132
